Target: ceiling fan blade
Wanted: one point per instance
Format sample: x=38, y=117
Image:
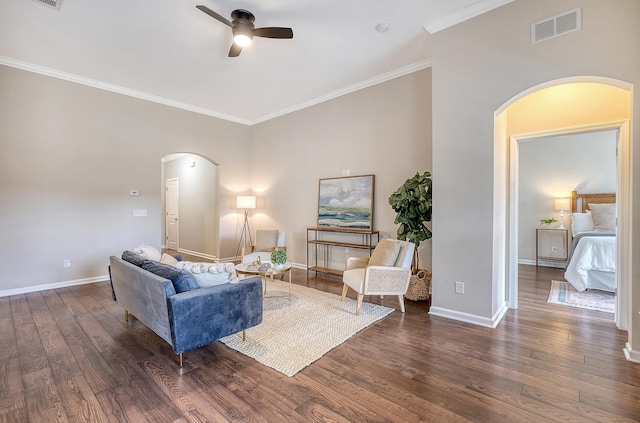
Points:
x=235, y=50
x=215, y=15
x=273, y=32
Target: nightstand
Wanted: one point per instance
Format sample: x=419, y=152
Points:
x=552, y=235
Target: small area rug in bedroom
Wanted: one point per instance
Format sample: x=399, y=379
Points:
x=593, y=299
x=295, y=333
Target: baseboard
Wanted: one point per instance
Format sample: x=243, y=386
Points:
x=198, y=254
x=56, y=285
x=630, y=354
x=544, y=263
x=470, y=318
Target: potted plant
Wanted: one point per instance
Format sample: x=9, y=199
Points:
x=278, y=258
x=412, y=203
x=547, y=222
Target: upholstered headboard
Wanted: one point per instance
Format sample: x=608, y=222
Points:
x=583, y=205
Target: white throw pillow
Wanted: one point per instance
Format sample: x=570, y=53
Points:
x=206, y=280
x=149, y=252
x=604, y=217
x=168, y=259
x=209, y=274
x=581, y=222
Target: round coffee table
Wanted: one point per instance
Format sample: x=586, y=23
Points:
x=250, y=269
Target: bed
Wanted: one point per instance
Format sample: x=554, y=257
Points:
x=592, y=259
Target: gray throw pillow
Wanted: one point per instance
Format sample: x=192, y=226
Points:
x=133, y=258
x=182, y=281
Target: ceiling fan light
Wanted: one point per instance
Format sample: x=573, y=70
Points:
x=242, y=40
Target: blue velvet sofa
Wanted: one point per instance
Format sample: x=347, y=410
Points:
x=190, y=319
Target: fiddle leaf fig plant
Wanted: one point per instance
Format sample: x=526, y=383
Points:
x=412, y=203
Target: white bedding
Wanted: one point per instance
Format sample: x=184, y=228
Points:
x=593, y=264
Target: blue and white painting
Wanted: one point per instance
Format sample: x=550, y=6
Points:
x=346, y=202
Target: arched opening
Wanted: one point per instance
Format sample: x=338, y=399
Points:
x=567, y=106
x=190, y=195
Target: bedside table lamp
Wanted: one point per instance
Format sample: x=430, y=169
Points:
x=562, y=204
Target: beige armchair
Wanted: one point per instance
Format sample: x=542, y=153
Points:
x=387, y=272
x=266, y=241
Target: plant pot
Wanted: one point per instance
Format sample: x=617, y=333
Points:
x=278, y=266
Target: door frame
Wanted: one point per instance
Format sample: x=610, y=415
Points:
x=166, y=208
x=623, y=199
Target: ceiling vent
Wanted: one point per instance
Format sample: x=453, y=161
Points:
x=51, y=3
x=558, y=25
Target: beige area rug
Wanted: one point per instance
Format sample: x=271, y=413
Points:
x=593, y=299
x=295, y=333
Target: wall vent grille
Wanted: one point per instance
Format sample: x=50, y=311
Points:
x=51, y=3
x=557, y=25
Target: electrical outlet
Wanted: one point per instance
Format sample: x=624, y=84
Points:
x=459, y=287
x=66, y=263
x=554, y=249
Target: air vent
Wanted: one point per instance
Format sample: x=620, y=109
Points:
x=558, y=25
x=51, y=3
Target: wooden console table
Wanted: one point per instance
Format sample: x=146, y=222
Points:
x=316, y=239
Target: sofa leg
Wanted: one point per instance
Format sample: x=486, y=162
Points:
x=126, y=315
x=244, y=335
x=180, y=359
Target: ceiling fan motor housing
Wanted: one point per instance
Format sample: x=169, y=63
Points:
x=242, y=23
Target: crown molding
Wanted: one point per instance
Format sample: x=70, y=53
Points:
x=469, y=12
x=414, y=67
x=42, y=70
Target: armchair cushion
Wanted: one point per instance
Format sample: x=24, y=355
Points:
x=385, y=253
x=266, y=240
x=355, y=279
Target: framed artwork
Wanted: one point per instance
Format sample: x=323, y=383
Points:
x=346, y=202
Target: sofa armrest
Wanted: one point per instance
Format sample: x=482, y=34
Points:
x=204, y=315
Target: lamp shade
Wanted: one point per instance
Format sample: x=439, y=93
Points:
x=246, y=202
x=562, y=204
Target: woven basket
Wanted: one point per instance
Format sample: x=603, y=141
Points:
x=419, y=286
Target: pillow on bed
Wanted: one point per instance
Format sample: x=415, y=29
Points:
x=604, y=217
x=581, y=222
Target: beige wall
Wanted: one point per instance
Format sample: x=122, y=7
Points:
x=383, y=130
x=69, y=154
x=478, y=66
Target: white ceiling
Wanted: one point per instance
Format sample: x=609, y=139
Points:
x=172, y=53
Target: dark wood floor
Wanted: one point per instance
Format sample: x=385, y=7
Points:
x=67, y=356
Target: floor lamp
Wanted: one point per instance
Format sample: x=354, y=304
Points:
x=245, y=202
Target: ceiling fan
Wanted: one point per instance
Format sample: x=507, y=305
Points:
x=243, y=29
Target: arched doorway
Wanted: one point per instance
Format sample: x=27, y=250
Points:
x=196, y=182
x=564, y=106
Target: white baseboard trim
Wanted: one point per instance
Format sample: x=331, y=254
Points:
x=470, y=318
x=56, y=285
x=630, y=354
x=544, y=263
x=198, y=254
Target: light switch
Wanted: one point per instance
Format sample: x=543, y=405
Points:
x=139, y=212
x=134, y=192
